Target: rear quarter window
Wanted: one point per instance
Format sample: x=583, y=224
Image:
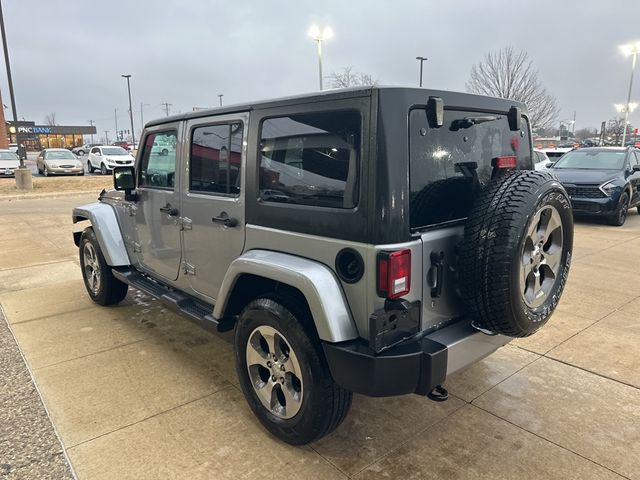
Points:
x=449, y=164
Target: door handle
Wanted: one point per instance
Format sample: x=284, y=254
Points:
x=225, y=219
x=169, y=210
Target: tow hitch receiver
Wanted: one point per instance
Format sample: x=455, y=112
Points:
x=438, y=394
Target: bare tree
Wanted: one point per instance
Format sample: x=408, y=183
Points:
x=588, y=132
x=349, y=78
x=50, y=119
x=510, y=74
x=614, y=129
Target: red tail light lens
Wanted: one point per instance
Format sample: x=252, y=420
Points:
x=394, y=273
x=509, y=161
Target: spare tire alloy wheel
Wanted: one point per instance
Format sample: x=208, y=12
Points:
x=274, y=371
x=541, y=255
x=516, y=252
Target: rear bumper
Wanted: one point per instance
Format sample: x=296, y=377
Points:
x=415, y=366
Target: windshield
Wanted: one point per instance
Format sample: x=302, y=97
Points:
x=8, y=156
x=114, y=151
x=60, y=155
x=592, y=160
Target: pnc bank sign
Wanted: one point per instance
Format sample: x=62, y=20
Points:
x=44, y=130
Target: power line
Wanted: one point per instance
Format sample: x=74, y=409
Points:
x=166, y=107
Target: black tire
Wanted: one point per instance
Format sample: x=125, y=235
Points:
x=620, y=216
x=103, y=169
x=497, y=252
x=89, y=166
x=45, y=171
x=165, y=151
x=638, y=210
x=110, y=290
x=81, y=152
x=324, y=404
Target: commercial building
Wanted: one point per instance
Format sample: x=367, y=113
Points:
x=37, y=137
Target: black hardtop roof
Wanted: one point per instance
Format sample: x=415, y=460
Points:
x=457, y=99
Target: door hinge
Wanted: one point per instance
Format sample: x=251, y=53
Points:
x=188, y=268
x=185, y=223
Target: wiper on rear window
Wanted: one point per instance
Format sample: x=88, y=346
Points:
x=468, y=122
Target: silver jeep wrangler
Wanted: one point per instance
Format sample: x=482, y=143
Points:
x=370, y=240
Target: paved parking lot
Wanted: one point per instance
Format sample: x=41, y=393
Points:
x=136, y=392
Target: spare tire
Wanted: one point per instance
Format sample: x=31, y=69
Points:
x=516, y=252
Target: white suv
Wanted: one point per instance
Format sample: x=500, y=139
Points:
x=105, y=158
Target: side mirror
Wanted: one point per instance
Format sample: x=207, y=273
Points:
x=636, y=168
x=549, y=165
x=124, y=179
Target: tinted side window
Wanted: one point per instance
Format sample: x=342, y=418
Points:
x=311, y=159
x=95, y=151
x=216, y=152
x=158, y=164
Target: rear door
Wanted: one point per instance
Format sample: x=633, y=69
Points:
x=635, y=178
x=158, y=208
x=213, y=208
x=448, y=166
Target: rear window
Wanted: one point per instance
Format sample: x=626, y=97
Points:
x=311, y=159
x=448, y=165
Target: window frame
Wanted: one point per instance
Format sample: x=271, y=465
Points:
x=173, y=129
x=357, y=194
x=214, y=123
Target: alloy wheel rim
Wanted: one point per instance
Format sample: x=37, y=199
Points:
x=541, y=256
x=274, y=371
x=91, y=268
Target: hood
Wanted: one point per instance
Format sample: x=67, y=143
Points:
x=12, y=164
x=571, y=175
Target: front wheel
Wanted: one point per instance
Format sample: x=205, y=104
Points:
x=101, y=285
x=620, y=216
x=89, y=166
x=103, y=169
x=283, y=373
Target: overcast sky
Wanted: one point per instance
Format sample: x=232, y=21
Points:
x=67, y=55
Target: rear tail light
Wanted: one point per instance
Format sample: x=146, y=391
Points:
x=394, y=273
x=509, y=161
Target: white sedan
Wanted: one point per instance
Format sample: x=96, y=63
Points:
x=106, y=158
x=9, y=161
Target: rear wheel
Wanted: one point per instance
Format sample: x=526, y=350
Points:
x=516, y=252
x=283, y=373
x=101, y=285
x=620, y=216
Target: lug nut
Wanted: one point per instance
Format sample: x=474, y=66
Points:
x=273, y=378
x=282, y=380
x=282, y=367
x=269, y=364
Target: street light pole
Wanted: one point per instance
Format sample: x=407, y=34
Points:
x=319, y=36
x=133, y=135
x=633, y=50
x=422, y=60
x=220, y=98
x=10, y=82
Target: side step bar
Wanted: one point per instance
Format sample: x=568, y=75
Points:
x=195, y=310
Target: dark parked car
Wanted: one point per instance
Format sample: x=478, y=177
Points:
x=601, y=181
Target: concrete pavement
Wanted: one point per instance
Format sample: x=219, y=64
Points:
x=136, y=392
